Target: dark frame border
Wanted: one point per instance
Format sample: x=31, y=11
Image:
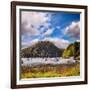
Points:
x=13, y=44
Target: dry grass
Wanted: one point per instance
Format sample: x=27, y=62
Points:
x=42, y=71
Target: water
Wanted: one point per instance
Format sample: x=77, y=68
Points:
x=53, y=61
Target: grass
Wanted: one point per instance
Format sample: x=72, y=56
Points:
x=42, y=71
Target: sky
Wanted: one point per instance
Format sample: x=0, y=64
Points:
x=60, y=28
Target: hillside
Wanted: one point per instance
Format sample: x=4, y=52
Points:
x=42, y=49
x=72, y=50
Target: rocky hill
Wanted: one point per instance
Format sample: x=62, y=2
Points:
x=42, y=49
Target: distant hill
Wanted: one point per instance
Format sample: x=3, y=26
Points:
x=42, y=49
x=72, y=50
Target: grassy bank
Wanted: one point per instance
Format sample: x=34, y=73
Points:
x=42, y=71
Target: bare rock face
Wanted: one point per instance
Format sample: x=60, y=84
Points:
x=42, y=49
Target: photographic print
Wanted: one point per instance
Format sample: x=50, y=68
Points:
x=50, y=46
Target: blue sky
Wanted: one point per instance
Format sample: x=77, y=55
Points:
x=61, y=28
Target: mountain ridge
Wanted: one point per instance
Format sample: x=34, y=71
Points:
x=42, y=49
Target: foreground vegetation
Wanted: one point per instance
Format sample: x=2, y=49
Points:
x=42, y=71
x=72, y=50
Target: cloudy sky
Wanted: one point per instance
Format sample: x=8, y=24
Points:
x=60, y=28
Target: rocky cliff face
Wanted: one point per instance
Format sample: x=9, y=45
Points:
x=42, y=49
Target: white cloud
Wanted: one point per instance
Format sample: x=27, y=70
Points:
x=34, y=41
x=77, y=40
x=73, y=30
x=26, y=28
x=30, y=21
x=30, y=43
x=34, y=17
x=60, y=43
x=48, y=32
